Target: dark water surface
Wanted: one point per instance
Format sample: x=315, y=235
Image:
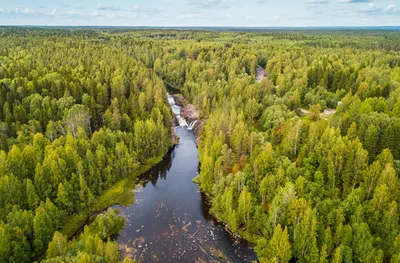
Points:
x=170, y=222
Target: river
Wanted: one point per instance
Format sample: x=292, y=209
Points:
x=169, y=220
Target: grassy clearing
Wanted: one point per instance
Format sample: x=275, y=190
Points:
x=119, y=194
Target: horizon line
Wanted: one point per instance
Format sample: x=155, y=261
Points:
x=205, y=26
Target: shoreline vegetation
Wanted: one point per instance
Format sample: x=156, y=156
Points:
x=307, y=184
x=307, y=159
x=235, y=235
x=121, y=193
x=78, y=119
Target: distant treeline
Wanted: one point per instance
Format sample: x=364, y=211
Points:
x=82, y=108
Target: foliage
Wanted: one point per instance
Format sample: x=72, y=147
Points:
x=76, y=117
x=315, y=188
x=83, y=109
x=93, y=245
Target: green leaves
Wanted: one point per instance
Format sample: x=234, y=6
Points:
x=107, y=225
x=75, y=117
x=304, y=173
x=277, y=249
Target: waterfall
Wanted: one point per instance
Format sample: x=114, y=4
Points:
x=191, y=125
x=177, y=111
x=171, y=100
x=182, y=121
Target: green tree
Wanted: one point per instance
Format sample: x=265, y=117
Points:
x=107, y=225
x=77, y=117
x=42, y=230
x=57, y=247
x=32, y=197
x=5, y=248
x=279, y=246
x=245, y=205
x=371, y=141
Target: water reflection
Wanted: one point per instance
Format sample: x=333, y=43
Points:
x=170, y=220
x=161, y=170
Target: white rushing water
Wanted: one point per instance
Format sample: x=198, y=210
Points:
x=191, y=125
x=177, y=111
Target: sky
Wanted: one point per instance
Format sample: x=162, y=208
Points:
x=244, y=13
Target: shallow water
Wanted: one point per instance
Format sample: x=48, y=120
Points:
x=170, y=220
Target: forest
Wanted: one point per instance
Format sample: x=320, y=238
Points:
x=304, y=164
x=76, y=116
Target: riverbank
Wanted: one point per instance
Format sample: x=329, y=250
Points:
x=170, y=219
x=121, y=193
x=238, y=236
x=190, y=113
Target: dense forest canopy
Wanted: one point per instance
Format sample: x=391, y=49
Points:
x=303, y=163
x=76, y=116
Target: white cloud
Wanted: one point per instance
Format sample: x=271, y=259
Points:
x=138, y=9
x=65, y=14
x=276, y=18
x=209, y=3
x=391, y=9
x=228, y=16
x=101, y=11
x=354, y=1
x=122, y=15
x=25, y=11
x=317, y=2
x=204, y=12
x=17, y=11
x=373, y=9
x=95, y=14
x=250, y=18
x=188, y=16
x=107, y=8
x=135, y=9
x=370, y=8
